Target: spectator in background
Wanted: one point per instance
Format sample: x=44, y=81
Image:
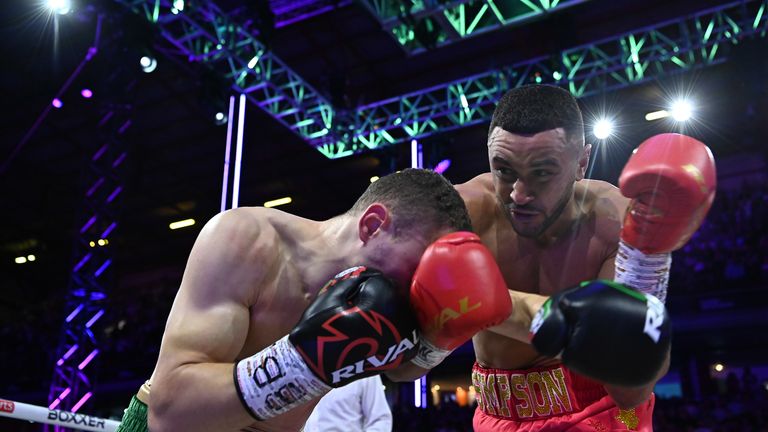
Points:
x=357, y=407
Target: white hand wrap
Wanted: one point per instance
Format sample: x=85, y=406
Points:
x=429, y=355
x=276, y=380
x=646, y=273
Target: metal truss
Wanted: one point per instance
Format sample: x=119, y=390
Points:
x=427, y=24
x=678, y=45
x=90, y=279
x=204, y=34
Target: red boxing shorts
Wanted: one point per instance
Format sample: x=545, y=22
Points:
x=550, y=399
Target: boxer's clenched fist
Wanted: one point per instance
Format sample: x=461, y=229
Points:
x=457, y=291
x=605, y=331
x=361, y=325
x=671, y=180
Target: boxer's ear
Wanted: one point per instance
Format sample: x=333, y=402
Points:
x=373, y=221
x=583, y=161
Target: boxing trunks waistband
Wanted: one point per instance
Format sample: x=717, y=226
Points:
x=533, y=394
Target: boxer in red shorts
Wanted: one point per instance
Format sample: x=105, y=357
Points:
x=569, y=359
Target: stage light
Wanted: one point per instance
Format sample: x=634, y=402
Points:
x=57, y=103
x=682, y=110
x=253, y=62
x=20, y=260
x=60, y=7
x=31, y=258
x=278, y=202
x=220, y=118
x=719, y=367
x=148, y=64
x=86, y=93
x=181, y=224
x=442, y=166
x=178, y=5
x=603, y=129
x=374, y=178
x=656, y=115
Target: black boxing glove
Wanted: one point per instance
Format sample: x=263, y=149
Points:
x=360, y=325
x=605, y=331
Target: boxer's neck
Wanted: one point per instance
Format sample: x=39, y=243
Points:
x=564, y=227
x=334, y=248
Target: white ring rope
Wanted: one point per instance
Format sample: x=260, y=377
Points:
x=68, y=419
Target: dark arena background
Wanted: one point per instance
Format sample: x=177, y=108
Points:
x=127, y=124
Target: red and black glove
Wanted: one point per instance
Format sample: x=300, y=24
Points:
x=361, y=325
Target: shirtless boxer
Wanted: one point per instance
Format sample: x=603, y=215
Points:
x=550, y=229
x=252, y=273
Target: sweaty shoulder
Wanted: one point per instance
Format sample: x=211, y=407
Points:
x=606, y=203
x=479, y=197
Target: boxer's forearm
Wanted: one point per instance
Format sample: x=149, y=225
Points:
x=197, y=397
x=524, y=307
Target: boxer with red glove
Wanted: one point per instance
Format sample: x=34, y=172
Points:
x=671, y=181
x=457, y=290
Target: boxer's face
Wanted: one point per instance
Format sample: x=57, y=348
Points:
x=395, y=255
x=533, y=176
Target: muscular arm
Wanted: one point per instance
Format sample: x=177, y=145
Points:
x=193, y=388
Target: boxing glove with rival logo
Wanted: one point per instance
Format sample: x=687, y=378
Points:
x=361, y=325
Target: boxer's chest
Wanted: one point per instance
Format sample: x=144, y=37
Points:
x=545, y=270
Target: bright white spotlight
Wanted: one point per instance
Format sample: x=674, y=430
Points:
x=220, y=118
x=682, y=110
x=61, y=7
x=148, y=64
x=603, y=129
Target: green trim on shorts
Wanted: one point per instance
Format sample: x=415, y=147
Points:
x=135, y=417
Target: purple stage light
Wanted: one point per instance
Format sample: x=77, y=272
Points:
x=82, y=401
x=88, y=224
x=95, y=317
x=88, y=359
x=57, y=103
x=75, y=312
x=82, y=262
x=86, y=93
x=103, y=267
x=58, y=400
x=67, y=354
x=442, y=166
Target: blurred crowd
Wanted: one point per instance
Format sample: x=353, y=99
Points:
x=730, y=250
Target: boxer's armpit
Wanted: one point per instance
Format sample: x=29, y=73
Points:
x=524, y=307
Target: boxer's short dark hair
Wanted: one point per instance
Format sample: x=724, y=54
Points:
x=418, y=199
x=532, y=109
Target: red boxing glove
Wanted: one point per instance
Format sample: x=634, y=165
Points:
x=671, y=180
x=457, y=291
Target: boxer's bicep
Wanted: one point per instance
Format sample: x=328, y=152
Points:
x=209, y=318
x=608, y=268
x=193, y=386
